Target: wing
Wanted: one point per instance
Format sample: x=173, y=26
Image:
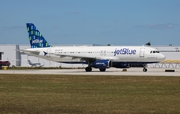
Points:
x=86, y=58
x=34, y=52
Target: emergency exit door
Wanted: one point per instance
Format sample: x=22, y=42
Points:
x=142, y=51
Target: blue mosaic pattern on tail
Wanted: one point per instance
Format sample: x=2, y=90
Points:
x=35, y=37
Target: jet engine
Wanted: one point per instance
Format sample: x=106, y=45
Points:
x=101, y=64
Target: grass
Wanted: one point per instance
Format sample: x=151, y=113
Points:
x=53, y=94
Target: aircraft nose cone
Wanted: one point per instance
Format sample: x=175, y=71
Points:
x=162, y=57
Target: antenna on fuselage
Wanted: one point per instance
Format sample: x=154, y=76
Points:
x=148, y=44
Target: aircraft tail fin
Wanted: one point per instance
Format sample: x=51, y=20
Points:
x=35, y=37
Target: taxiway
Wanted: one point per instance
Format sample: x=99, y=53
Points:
x=109, y=72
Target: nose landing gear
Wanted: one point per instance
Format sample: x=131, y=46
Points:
x=144, y=69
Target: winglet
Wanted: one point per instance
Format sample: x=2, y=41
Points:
x=29, y=62
x=35, y=37
x=45, y=53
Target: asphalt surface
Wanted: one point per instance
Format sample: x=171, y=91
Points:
x=109, y=72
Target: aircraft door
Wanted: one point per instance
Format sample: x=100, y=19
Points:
x=0, y=55
x=48, y=52
x=142, y=51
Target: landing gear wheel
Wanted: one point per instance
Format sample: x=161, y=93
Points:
x=102, y=69
x=88, y=69
x=144, y=70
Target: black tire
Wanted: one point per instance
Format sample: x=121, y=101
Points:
x=88, y=69
x=144, y=70
x=102, y=69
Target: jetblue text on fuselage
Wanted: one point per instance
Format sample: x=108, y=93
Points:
x=124, y=51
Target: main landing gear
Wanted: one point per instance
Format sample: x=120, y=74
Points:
x=89, y=69
x=102, y=69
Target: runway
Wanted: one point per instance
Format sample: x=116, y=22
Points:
x=96, y=72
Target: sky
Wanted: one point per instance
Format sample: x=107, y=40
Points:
x=115, y=22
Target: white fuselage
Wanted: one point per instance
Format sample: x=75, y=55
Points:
x=134, y=54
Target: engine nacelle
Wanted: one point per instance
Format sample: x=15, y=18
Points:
x=120, y=65
x=101, y=64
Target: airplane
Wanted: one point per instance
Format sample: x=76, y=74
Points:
x=101, y=57
x=35, y=64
